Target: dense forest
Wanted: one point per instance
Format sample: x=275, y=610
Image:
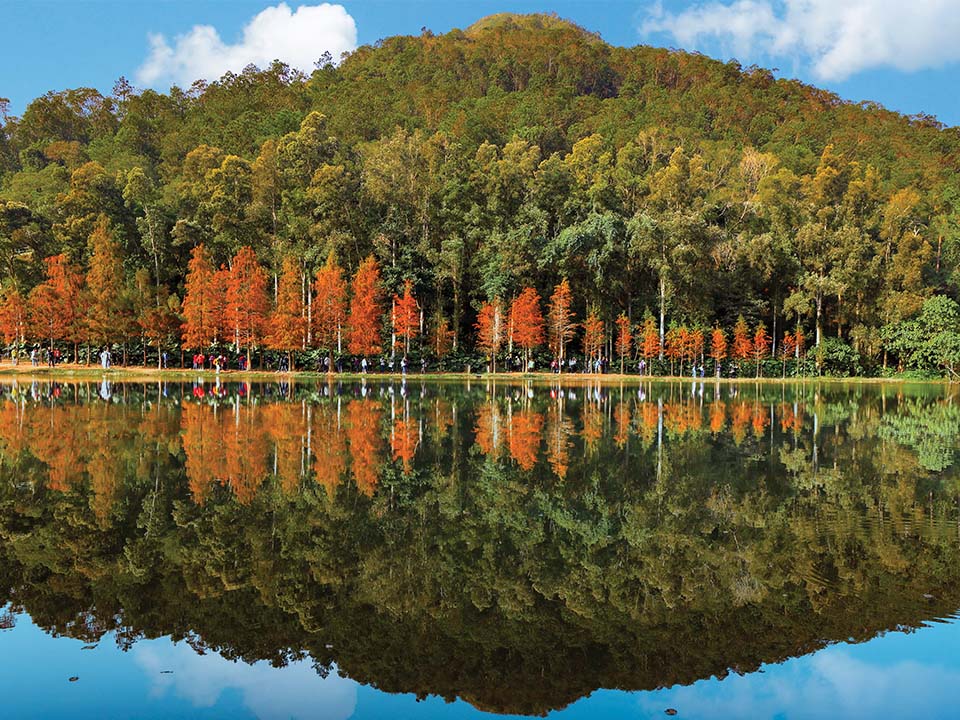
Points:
x=507, y=544
x=468, y=171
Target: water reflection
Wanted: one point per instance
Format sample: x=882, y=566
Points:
x=517, y=546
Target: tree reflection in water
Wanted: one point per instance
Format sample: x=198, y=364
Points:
x=516, y=546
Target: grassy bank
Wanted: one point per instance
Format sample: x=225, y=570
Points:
x=67, y=372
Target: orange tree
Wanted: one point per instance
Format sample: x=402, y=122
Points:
x=593, y=331
x=247, y=304
x=718, y=348
x=406, y=316
x=650, y=341
x=202, y=306
x=288, y=326
x=526, y=322
x=560, y=321
x=365, y=309
x=761, y=345
x=329, y=311
x=56, y=304
x=624, y=338
x=490, y=330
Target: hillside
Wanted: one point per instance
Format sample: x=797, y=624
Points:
x=515, y=153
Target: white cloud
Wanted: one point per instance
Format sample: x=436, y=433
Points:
x=295, y=691
x=836, y=38
x=298, y=38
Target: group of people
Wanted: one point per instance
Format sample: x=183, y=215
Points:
x=217, y=362
x=598, y=365
x=44, y=355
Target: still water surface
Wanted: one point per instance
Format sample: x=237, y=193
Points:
x=427, y=550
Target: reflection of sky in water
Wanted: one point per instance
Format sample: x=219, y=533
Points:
x=898, y=675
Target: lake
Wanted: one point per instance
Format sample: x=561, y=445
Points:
x=433, y=550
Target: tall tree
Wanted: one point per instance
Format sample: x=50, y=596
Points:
x=247, y=304
x=202, y=304
x=56, y=305
x=406, y=316
x=593, y=336
x=490, y=330
x=107, y=317
x=742, y=345
x=718, y=348
x=561, y=326
x=365, y=312
x=288, y=326
x=624, y=338
x=761, y=346
x=526, y=322
x=13, y=320
x=329, y=308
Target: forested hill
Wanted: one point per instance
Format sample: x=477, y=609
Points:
x=515, y=153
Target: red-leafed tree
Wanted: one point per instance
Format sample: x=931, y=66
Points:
x=247, y=303
x=490, y=330
x=593, y=332
x=696, y=345
x=161, y=323
x=406, y=316
x=787, y=348
x=288, y=326
x=761, y=346
x=107, y=317
x=56, y=305
x=624, y=338
x=365, y=313
x=742, y=345
x=718, y=348
x=526, y=322
x=13, y=319
x=202, y=303
x=650, y=341
x=442, y=335
x=329, y=308
x=561, y=325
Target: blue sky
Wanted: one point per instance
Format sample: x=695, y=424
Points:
x=903, y=55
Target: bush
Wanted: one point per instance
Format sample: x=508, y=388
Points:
x=835, y=357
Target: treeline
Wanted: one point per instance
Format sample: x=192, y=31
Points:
x=521, y=154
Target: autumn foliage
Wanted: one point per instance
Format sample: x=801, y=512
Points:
x=526, y=322
x=406, y=316
x=329, y=307
x=365, y=309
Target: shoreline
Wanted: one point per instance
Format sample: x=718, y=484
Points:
x=135, y=373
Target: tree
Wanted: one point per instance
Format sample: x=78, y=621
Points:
x=107, y=318
x=761, y=346
x=406, y=316
x=742, y=345
x=593, y=336
x=624, y=338
x=161, y=323
x=202, y=304
x=13, y=320
x=788, y=347
x=365, y=313
x=490, y=329
x=526, y=322
x=247, y=304
x=650, y=341
x=718, y=348
x=329, y=308
x=288, y=326
x=561, y=326
x=56, y=305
